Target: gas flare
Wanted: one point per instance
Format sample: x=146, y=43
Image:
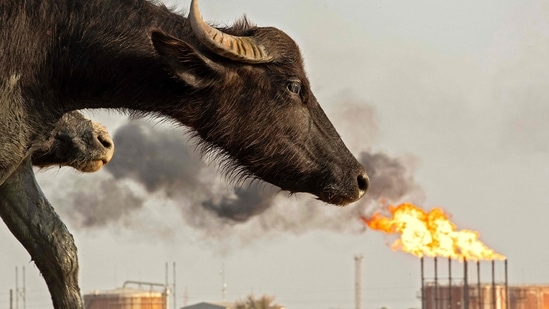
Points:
x=431, y=234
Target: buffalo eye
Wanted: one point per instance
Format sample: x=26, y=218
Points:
x=294, y=87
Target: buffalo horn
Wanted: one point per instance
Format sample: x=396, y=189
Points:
x=238, y=48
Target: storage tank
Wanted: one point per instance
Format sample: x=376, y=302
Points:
x=126, y=298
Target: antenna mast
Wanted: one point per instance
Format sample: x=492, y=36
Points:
x=224, y=284
x=358, y=281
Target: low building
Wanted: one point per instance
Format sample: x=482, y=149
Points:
x=206, y=305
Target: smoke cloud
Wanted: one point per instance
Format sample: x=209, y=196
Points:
x=157, y=160
x=154, y=165
x=246, y=203
x=165, y=163
x=108, y=203
x=389, y=177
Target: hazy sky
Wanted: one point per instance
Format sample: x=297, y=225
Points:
x=455, y=92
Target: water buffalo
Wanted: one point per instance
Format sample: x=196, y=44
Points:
x=241, y=90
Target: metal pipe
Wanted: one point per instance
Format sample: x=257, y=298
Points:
x=140, y=283
x=174, y=287
x=166, y=275
x=422, y=284
x=479, y=288
x=166, y=285
x=16, y=288
x=436, y=284
x=358, y=281
x=24, y=290
x=465, y=286
x=507, y=296
x=449, y=283
x=224, y=285
x=493, y=285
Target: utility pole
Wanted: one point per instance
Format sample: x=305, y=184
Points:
x=358, y=281
x=16, y=288
x=20, y=292
x=174, y=288
x=224, y=284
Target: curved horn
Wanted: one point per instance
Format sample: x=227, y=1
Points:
x=238, y=48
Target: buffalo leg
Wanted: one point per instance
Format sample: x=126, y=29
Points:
x=33, y=221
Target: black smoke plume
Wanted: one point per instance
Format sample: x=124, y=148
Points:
x=389, y=177
x=164, y=161
x=157, y=160
x=166, y=166
x=246, y=203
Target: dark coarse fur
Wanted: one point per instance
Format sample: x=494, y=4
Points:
x=137, y=56
x=133, y=55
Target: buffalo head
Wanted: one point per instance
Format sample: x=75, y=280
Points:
x=251, y=102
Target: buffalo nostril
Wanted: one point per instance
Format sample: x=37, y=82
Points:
x=363, y=182
x=106, y=141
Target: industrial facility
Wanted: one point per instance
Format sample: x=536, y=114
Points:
x=125, y=298
x=460, y=291
x=442, y=287
x=145, y=296
x=486, y=296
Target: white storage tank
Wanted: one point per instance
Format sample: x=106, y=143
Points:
x=126, y=298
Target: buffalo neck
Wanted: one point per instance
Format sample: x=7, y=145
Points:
x=101, y=56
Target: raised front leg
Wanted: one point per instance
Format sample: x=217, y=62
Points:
x=33, y=221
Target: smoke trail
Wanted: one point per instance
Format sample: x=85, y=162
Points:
x=356, y=122
x=246, y=203
x=389, y=177
x=157, y=160
x=164, y=162
x=98, y=207
x=166, y=166
x=391, y=182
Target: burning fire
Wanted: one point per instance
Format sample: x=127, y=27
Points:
x=431, y=234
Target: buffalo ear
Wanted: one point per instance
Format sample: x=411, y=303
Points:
x=186, y=62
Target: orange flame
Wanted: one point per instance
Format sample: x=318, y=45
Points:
x=431, y=234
